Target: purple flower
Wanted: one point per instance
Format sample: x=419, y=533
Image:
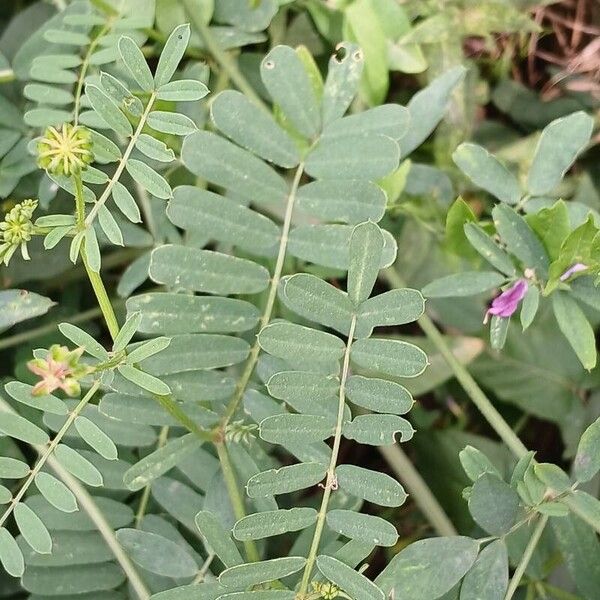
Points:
x=576, y=268
x=507, y=302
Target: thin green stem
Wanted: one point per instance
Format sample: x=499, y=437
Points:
x=141, y=511
x=421, y=494
x=252, y=359
x=122, y=163
x=49, y=450
x=331, y=479
x=237, y=501
x=225, y=60
x=85, y=66
x=204, y=569
x=529, y=550
x=487, y=409
x=97, y=284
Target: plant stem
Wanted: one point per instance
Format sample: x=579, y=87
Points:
x=331, y=480
x=121, y=166
x=487, y=409
x=225, y=60
x=529, y=550
x=141, y=511
x=95, y=279
x=418, y=489
x=49, y=450
x=244, y=379
x=237, y=501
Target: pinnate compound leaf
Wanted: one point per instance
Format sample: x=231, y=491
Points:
x=206, y=271
x=270, y=523
x=253, y=129
x=160, y=461
x=250, y=574
x=149, y=179
x=343, y=76
x=288, y=84
x=32, y=529
x=56, y=492
x=356, y=585
x=157, y=554
x=488, y=578
x=317, y=300
x=285, y=479
x=576, y=328
x=135, y=63
x=587, y=460
x=172, y=54
x=372, y=486
x=493, y=504
x=390, y=357
x=366, y=247
x=429, y=568
x=359, y=526
x=11, y=556
x=468, y=283
x=558, y=147
x=487, y=172
x=216, y=538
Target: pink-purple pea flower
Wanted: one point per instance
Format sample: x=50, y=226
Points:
x=507, y=302
x=576, y=268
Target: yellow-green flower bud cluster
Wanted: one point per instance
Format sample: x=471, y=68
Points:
x=16, y=230
x=65, y=150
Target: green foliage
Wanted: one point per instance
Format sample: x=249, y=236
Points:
x=224, y=423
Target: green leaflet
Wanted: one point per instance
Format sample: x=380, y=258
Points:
x=270, y=523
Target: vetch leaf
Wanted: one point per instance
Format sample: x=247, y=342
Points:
x=395, y=307
x=285, y=479
x=378, y=430
x=218, y=539
x=206, y=271
x=288, y=84
x=160, y=461
x=558, y=147
x=343, y=76
x=280, y=429
x=253, y=128
x=21, y=392
x=359, y=526
x=493, y=504
x=487, y=172
x=148, y=349
x=171, y=122
x=96, y=438
x=144, y=380
x=182, y=313
x=429, y=568
x=135, y=63
x=366, y=247
x=108, y=110
x=576, y=328
x=250, y=574
x=12, y=468
x=84, y=340
x=127, y=332
x=20, y=305
x=488, y=578
x=157, y=554
x=273, y=522
x=78, y=466
x=390, y=357
x=468, y=283
x=356, y=585
x=520, y=240
x=32, y=529
x=125, y=202
x=182, y=90
x=172, y=54
x=372, y=486
x=56, y=492
x=317, y=300
x=489, y=249
x=109, y=226
x=10, y=554
x=587, y=460
x=378, y=395
x=148, y=178
x=16, y=426
x=154, y=149
x=295, y=342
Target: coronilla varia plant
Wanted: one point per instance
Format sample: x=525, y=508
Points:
x=239, y=218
